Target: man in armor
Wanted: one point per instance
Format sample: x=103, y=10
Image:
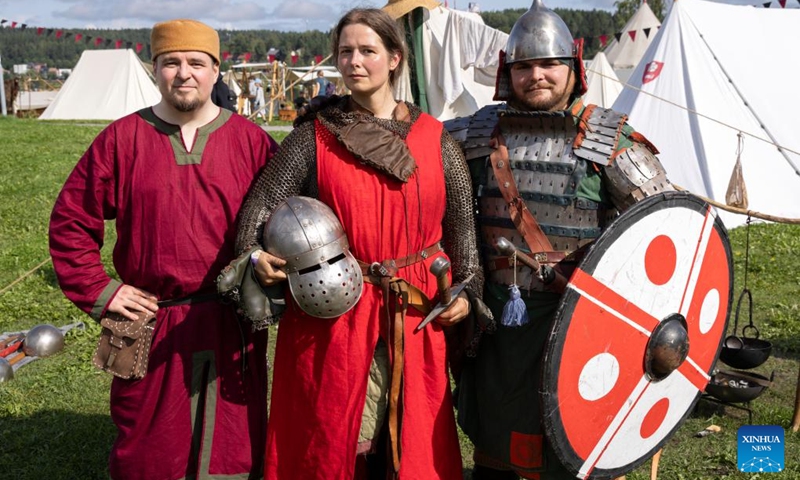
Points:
x=549, y=174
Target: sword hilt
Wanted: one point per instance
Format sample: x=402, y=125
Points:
x=439, y=268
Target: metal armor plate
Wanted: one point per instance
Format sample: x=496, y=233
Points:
x=666, y=258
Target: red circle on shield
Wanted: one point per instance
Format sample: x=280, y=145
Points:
x=654, y=418
x=660, y=260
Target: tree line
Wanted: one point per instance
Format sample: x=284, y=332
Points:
x=27, y=46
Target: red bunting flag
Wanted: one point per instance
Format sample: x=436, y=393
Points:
x=247, y=56
x=59, y=33
x=139, y=47
x=603, y=40
x=783, y=3
x=13, y=24
x=632, y=33
x=226, y=56
x=78, y=36
x=294, y=57
x=39, y=30
x=317, y=58
x=98, y=41
x=118, y=44
x=270, y=58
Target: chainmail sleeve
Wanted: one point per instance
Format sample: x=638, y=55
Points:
x=459, y=233
x=291, y=172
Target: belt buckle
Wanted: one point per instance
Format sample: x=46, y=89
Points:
x=377, y=270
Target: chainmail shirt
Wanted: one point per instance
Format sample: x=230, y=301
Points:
x=293, y=172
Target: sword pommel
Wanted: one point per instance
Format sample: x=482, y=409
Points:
x=439, y=268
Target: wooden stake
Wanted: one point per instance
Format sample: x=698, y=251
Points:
x=654, y=465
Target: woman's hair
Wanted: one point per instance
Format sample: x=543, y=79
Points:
x=383, y=24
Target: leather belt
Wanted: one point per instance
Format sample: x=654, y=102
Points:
x=398, y=295
x=196, y=298
x=384, y=268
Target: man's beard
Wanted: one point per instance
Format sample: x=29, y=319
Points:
x=554, y=102
x=182, y=105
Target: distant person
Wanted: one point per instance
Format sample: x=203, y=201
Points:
x=172, y=177
x=258, y=101
x=222, y=96
x=251, y=94
x=320, y=85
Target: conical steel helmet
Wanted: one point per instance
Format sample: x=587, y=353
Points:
x=324, y=278
x=539, y=33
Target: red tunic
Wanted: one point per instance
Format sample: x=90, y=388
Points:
x=175, y=214
x=321, y=366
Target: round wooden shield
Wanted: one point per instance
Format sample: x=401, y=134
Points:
x=605, y=412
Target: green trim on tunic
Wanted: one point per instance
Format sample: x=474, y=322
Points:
x=182, y=155
x=105, y=296
x=204, y=408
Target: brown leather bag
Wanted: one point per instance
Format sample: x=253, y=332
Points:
x=124, y=346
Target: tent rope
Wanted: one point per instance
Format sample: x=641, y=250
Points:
x=695, y=112
x=24, y=276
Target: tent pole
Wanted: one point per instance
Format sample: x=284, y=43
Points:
x=3, y=90
x=747, y=104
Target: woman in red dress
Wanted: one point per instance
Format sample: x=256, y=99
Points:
x=400, y=188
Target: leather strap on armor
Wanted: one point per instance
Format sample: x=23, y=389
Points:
x=526, y=224
x=398, y=295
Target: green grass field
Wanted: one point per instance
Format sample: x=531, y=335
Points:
x=54, y=421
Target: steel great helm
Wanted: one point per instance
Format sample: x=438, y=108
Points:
x=539, y=34
x=324, y=277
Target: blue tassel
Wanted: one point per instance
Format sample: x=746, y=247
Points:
x=514, y=312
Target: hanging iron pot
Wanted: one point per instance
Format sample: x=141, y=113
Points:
x=746, y=351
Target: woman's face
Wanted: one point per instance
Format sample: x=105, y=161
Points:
x=364, y=62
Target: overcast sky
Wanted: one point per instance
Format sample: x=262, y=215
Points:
x=233, y=14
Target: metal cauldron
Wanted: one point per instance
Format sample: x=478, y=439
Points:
x=737, y=387
x=746, y=351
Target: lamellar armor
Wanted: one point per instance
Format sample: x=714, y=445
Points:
x=549, y=166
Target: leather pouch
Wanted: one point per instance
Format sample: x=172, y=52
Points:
x=124, y=346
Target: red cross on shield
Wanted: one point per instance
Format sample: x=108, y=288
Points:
x=606, y=412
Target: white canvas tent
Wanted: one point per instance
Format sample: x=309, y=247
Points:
x=230, y=80
x=624, y=54
x=603, y=85
x=695, y=65
x=104, y=85
x=460, y=56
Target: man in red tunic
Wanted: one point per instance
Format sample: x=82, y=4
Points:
x=173, y=178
